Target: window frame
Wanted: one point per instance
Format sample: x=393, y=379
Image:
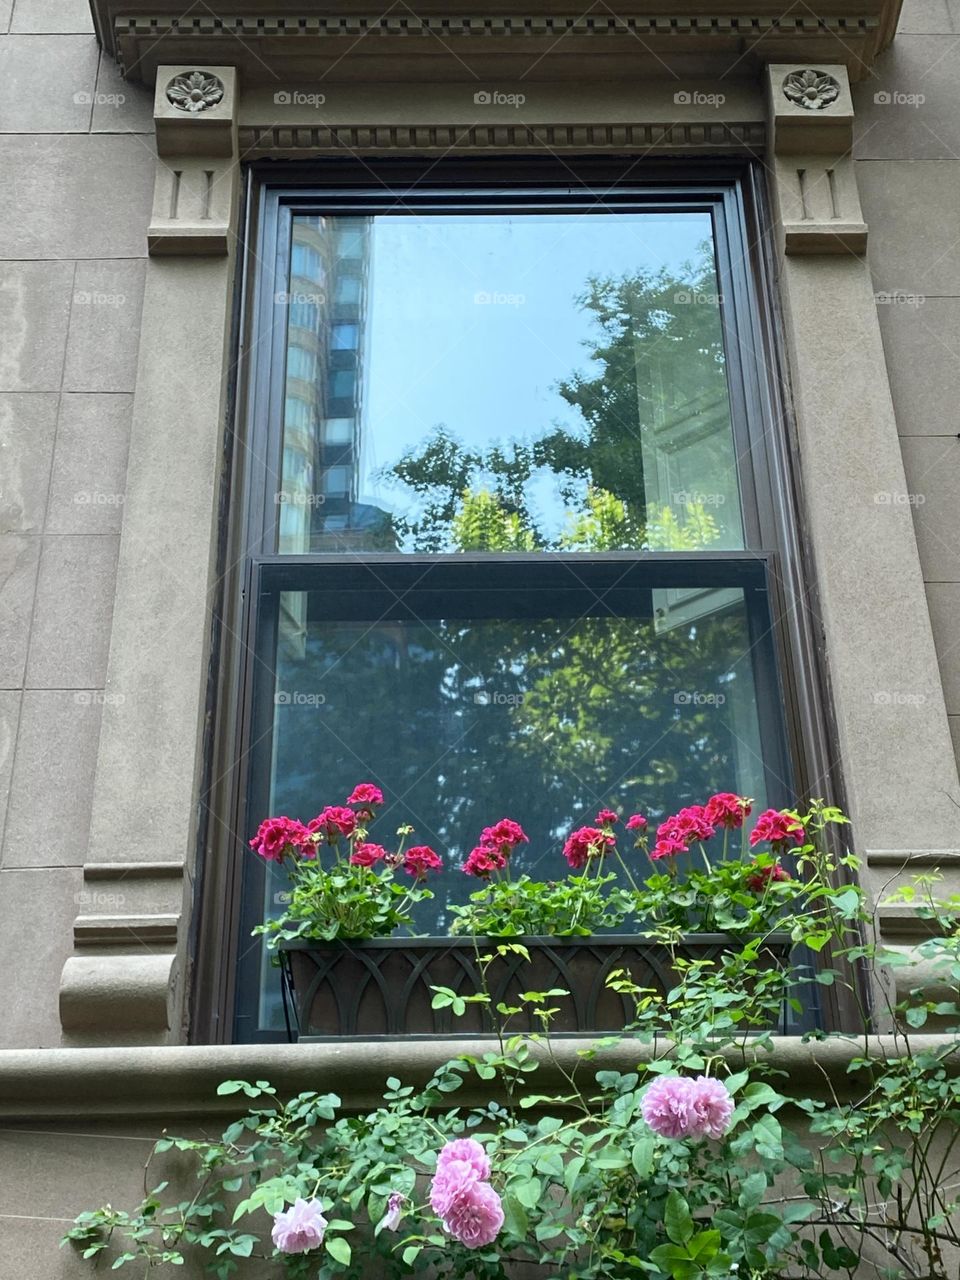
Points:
x=732, y=192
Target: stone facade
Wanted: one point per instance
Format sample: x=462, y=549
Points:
x=112, y=470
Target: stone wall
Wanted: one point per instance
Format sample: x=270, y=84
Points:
x=77, y=159
x=908, y=153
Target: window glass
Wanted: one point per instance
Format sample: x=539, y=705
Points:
x=464, y=721
x=524, y=382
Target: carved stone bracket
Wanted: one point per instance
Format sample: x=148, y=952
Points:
x=121, y=980
x=810, y=132
x=195, y=112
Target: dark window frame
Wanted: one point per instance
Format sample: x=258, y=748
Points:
x=733, y=193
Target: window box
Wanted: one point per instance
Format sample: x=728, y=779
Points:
x=382, y=987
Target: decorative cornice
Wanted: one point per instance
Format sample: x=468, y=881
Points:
x=270, y=40
x=126, y=931
x=292, y=141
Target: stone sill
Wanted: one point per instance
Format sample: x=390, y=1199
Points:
x=180, y=1082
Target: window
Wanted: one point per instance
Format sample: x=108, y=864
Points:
x=531, y=556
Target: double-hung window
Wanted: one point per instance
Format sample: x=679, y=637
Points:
x=513, y=513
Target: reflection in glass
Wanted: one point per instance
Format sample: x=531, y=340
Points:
x=513, y=382
x=462, y=722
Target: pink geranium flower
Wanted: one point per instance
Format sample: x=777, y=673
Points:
x=606, y=818
x=299, y=1228
x=636, y=822
x=276, y=835
x=483, y=860
x=365, y=793
x=586, y=843
x=779, y=827
x=504, y=835
x=667, y=848
x=727, y=810
x=367, y=855
x=334, y=822
x=687, y=825
x=421, y=859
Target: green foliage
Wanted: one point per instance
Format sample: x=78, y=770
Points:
x=797, y=1186
x=574, y=907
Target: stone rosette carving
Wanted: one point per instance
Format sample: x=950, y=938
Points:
x=810, y=89
x=195, y=91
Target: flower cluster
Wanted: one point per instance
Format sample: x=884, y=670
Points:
x=496, y=845
x=589, y=842
x=678, y=1107
x=461, y=1195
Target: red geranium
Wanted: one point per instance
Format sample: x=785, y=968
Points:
x=365, y=793
x=760, y=877
x=276, y=835
x=504, y=835
x=366, y=855
x=586, y=843
x=483, y=860
x=779, y=827
x=421, y=859
x=727, y=810
x=333, y=822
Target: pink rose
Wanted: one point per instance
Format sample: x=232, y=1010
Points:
x=276, y=835
x=466, y=1151
x=712, y=1107
x=475, y=1217
x=300, y=1228
x=421, y=859
x=667, y=1106
x=727, y=810
x=367, y=855
x=779, y=827
x=678, y=1107
x=586, y=843
x=450, y=1181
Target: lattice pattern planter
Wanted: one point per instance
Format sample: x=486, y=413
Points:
x=382, y=987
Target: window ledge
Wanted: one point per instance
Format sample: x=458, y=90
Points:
x=176, y=1083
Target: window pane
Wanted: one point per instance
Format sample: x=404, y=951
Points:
x=521, y=381
x=464, y=721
